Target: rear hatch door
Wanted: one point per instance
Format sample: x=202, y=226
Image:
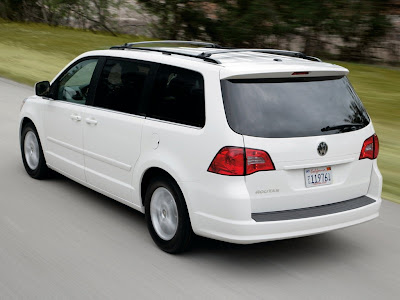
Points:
x=313, y=128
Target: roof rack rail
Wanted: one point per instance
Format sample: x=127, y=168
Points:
x=268, y=51
x=138, y=46
x=174, y=42
x=206, y=56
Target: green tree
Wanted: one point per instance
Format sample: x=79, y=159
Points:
x=361, y=25
x=310, y=20
x=176, y=19
x=97, y=13
x=352, y=27
x=242, y=23
x=19, y=10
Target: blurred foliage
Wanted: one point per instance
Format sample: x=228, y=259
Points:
x=348, y=28
x=360, y=24
x=356, y=26
x=176, y=18
x=92, y=14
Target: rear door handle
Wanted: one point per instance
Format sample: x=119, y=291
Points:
x=75, y=117
x=91, y=121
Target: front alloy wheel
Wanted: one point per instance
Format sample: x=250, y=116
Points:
x=31, y=150
x=32, y=153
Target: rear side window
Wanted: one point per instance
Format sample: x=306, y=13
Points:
x=178, y=96
x=121, y=85
x=284, y=108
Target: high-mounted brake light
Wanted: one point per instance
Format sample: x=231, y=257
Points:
x=300, y=73
x=240, y=161
x=370, y=148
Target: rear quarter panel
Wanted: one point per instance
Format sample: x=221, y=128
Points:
x=186, y=152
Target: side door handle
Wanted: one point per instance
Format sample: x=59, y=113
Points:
x=75, y=117
x=91, y=121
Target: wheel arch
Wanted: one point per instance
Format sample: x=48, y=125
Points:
x=183, y=235
x=23, y=123
x=151, y=173
x=40, y=171
x=29, y=120
x=154, y=171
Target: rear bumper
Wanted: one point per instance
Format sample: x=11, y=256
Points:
x=251, y=231
x=222, y=210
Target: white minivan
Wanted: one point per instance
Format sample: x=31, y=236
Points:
x=238, y=145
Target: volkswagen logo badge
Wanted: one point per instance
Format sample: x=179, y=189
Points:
x=322, y=148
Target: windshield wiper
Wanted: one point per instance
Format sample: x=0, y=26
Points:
x=348, y=127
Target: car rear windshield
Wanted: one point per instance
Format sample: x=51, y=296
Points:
x=292, y=107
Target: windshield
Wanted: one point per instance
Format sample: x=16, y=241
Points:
x=287, y=107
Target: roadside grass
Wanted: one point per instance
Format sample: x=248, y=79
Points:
x=32, y=52
x=35, y=52
x=379, y=89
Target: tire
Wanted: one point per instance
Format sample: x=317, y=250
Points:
x=167, y=216
x=32, y=153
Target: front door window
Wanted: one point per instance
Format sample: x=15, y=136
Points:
x=74, y=85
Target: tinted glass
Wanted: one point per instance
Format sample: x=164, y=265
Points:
x=279, y=108
x=121, y=85
x=74, y=85
x=178, y=96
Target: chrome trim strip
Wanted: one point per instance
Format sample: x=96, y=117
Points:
x=174, y=123
x=67, y=102
x=114, y=111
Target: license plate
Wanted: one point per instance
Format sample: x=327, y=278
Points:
x=318, y=176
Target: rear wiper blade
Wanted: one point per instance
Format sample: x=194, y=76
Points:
x=350, y=127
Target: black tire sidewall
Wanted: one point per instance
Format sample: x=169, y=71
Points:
x=41, y=169
x=182, y=238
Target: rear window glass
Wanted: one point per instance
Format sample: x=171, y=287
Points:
x=283, y=108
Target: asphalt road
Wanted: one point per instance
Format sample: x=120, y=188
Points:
x=59, y=239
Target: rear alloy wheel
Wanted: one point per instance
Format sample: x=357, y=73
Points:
x=32, y=153
x=164, y=213
x=167, y=216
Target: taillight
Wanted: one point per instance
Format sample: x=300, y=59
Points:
x=240, y=161
x=376, y=146
x=228, y=161
x=370, y=148
x=258, y=160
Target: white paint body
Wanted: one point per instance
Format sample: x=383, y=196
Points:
x=110, y=152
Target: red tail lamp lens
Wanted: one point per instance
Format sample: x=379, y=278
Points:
x=240, y=161
x=228, y=161
x=376, y=146
x=370, y=148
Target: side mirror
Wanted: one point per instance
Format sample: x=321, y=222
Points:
x=42, y=88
